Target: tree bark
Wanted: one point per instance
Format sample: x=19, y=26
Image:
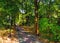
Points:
x=36, y=17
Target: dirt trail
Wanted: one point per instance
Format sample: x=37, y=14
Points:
x=25, y=37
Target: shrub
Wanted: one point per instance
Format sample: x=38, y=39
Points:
x=52, y=29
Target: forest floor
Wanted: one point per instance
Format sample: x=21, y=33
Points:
x=20, y=36
x=25, y=37
x=5, y=38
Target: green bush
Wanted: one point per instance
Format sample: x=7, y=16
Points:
x=43, y=24
x=50, y=29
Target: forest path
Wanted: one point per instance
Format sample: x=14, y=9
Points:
x=25, y=37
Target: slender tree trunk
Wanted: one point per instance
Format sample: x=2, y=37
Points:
x=36, y=17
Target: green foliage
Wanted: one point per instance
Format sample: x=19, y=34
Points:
x=43, y=24
x=49, y=10
x=55, y=30
x=48, y=23
x=49, y=28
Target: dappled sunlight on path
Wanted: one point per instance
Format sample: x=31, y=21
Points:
x=25, y=37
x=8, y=40
x=20, y=36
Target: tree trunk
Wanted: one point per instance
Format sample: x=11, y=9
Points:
x=36, y=17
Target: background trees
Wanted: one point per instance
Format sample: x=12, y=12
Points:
x=46, y=12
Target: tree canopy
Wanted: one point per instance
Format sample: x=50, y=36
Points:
x=26, y=12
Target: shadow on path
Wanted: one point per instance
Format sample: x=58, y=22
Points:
x=25, y=37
